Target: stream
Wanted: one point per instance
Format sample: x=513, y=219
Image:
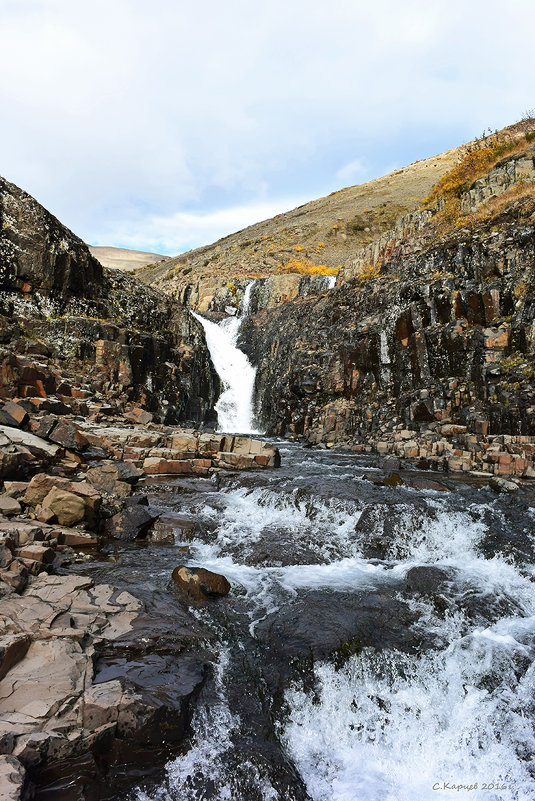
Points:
x=337, y=673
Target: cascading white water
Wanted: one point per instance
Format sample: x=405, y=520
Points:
x=235, y=412
x=330, y=281
x=450, y=719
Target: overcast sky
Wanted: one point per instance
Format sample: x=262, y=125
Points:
x=163, y=124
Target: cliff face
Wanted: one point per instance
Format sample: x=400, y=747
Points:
x=432, y=326
x=67, y=322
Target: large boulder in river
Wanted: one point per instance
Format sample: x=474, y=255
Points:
x=200, y=583
x=428, y=579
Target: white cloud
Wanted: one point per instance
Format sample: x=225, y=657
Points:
x=352, y=172
x=184, y=230
x=116, y=115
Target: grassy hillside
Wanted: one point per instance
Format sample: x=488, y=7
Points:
x=323, y=233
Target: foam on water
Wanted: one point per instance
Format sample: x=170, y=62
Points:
x=386, y=726
x=392, y=727
x=214, y=726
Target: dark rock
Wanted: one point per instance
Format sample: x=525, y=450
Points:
x=200, y=583
x=428, y=579
x=13, y=648
x=136, y=500
x=133, y=523
x=426, y=484
x=321, y=624
x=68, y=435
x=106, y=477
x=393, y=480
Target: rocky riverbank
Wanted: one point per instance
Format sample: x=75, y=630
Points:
x=68, y=486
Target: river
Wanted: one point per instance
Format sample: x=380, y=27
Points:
x=377, y=643
x=335, y=676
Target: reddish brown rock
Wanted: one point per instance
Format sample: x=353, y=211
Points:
x=200, y=583
x=38, y=552
x=11, y=414
x=156, y=466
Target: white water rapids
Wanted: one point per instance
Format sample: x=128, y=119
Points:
x=235, y=407
x=451, y=721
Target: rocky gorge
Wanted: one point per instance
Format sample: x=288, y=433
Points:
x=338, y=608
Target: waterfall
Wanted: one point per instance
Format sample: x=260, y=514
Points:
x=235, y=405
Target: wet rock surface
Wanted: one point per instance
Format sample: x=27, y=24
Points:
x=211, y=691
x=93, y=679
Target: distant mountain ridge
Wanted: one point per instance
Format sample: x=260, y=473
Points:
x=124, y=259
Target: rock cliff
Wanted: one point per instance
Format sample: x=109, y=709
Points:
x=425, y=347
x=68, y=325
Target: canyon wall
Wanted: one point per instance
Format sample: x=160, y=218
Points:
x=68, y=325
x=428, y=328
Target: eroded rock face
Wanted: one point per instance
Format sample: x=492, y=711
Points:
x=72, y=328
x=38, y=253
x=440, y=335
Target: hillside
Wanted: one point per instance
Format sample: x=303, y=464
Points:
x=66, y=321
x=426, y=346
x=323, y=232
x=124, y=259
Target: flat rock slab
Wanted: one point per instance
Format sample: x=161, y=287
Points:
x=12, y=777
x=52, y=672
x=35, y=445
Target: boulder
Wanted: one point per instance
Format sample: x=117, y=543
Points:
x=11, y=414
x=392, y=480
x=69, y=435
x=9, y=506
x=42, y=485
x=65, y=507
x=131, y=524
x=200, y=583
x=427, y=579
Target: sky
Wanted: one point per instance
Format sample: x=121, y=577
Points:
x=164, y=125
